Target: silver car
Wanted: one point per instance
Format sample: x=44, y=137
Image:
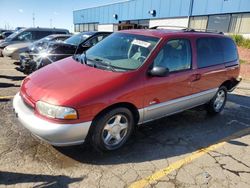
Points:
x=13, y=51
x=29, y=35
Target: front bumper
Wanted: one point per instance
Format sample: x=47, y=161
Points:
x=53, y=133
x=7, y=53
x=15, y=55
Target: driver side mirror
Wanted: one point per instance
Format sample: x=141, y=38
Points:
x=86, y=45
x=159, y=71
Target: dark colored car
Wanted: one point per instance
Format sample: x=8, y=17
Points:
x=129, y=78
x=44, y=42
x=37, y=58
x=37, y=46
x=5, y=34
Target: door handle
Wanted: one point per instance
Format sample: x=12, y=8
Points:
x=195, y=77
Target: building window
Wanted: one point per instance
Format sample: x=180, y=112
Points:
x=91, y=27
x=245, y=24
x=219, y=22
x=96, y=27
x=240, y=23
x=199, y=22
x=235, y=23
x=81, y=27
x=86, y=27
x=77, y=28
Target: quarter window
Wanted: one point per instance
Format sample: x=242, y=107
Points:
x=175, y=55
x=209, y=52
x=229, y=50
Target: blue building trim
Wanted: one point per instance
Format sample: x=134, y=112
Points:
x=138, y=10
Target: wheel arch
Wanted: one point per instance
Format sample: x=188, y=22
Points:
x=229, y=84
x=127, y=105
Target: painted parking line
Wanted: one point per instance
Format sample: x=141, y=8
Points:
x=6, y=97
x=178, y=164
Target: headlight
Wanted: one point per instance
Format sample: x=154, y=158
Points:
x=57, y=112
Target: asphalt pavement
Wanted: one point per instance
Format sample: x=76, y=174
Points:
x=190, y=149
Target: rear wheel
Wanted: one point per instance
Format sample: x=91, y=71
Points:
x=216, y=105
x=112, y=129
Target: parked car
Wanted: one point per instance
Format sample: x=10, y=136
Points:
x=14, y=50
x=37, y=58
x=28, y=35
x=129, y=78
x=5, y=34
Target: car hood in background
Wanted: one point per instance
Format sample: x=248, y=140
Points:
x=18, y=46
x=61, y=46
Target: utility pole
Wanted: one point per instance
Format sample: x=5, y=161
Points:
x=33, y=19
x=190, y=11
x=50, y=21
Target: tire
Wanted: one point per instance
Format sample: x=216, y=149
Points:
x=217, y=103
x=109, y=126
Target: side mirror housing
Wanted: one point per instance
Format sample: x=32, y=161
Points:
x=159, y=71
x=86, y=45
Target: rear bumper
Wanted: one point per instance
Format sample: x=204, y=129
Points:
x=235, y=83
x=53, y=133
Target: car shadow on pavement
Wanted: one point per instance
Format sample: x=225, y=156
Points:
x=4, y=100
x=169, y=137
x=13, y=78
x=244, y=100
x=6, y=85
x=13, y=178
x=17, y=63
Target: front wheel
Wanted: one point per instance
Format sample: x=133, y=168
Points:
x=112, y=129
x=217, y=104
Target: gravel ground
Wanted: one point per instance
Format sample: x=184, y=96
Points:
x=28, y=162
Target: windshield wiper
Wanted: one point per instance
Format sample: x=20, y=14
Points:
x=105, y=63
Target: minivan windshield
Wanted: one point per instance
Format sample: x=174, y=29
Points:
x=122, y=50
x=77, y=39
x=13, y=35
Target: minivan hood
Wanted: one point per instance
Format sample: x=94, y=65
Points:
x=60, y=47
x=18, y=46
x=67, y=81
x=54, y=45
x=3, y=44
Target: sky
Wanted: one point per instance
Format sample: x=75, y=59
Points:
x=47, y=13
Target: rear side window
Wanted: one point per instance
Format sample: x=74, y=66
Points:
x=229, y=50
x=41, y=34
x=209, y=52
x=61, y=32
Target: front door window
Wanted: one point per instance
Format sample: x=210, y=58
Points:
x=175, y=55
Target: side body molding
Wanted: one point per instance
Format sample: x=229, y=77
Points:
x=167, y=108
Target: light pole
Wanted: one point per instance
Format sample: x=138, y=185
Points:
x=190, y=11
x=33, y=19
x=50, y=21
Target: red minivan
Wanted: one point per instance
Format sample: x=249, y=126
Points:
x=129, y=78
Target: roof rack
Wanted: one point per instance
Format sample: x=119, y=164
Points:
x=170, y=26
x=188, y=29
